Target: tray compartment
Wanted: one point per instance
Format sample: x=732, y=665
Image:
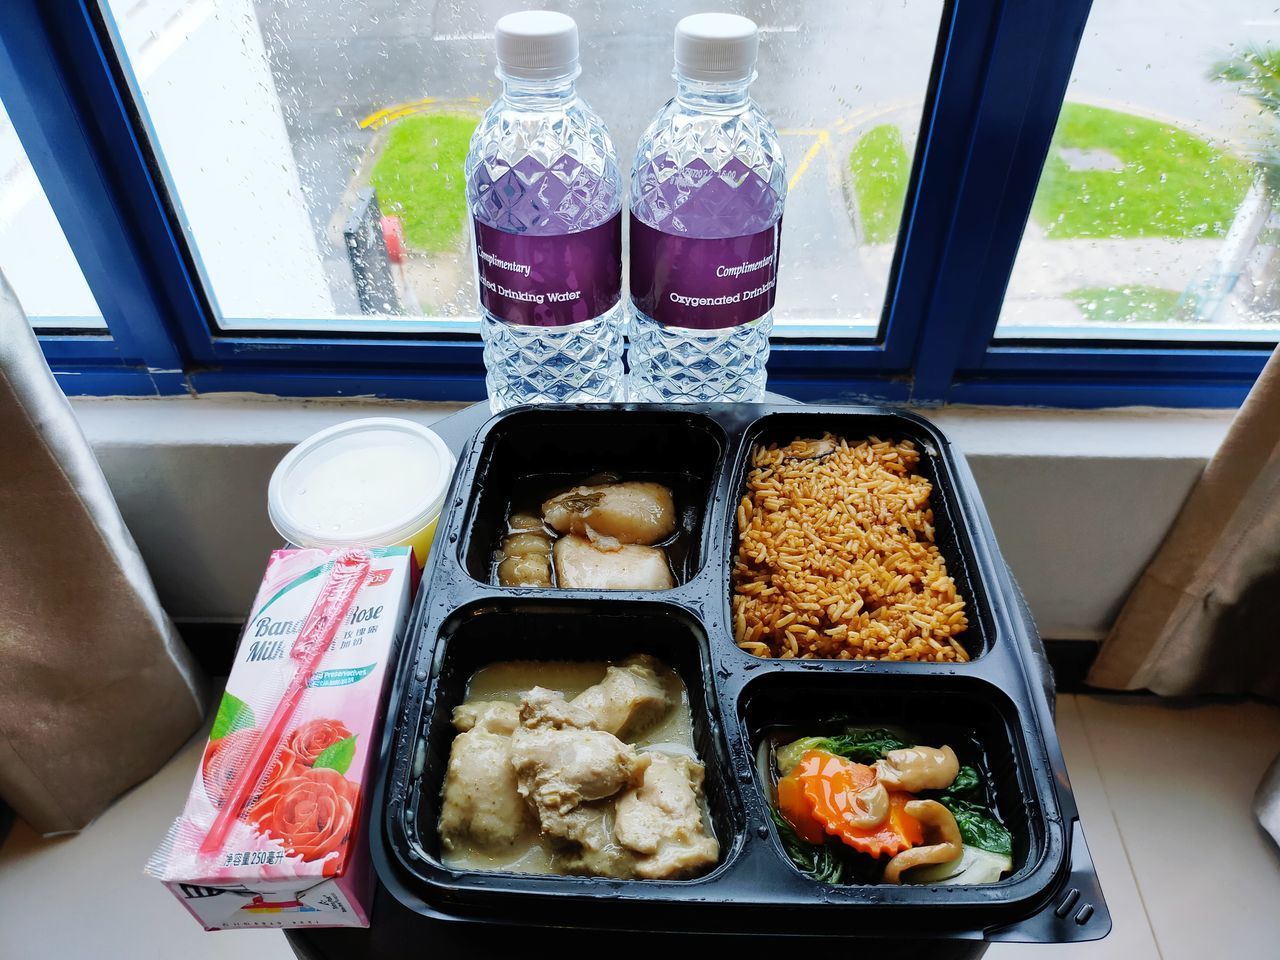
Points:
x=538, y=449
x=976, y=718
x=951, y=532
x=556, y=630
x=464, y=622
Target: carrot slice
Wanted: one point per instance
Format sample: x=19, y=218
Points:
x=827, y=786
x=793, y=806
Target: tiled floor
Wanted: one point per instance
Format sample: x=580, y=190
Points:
x=1164, y=791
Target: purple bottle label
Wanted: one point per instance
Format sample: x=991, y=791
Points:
x=550, y=281
x=703, y=284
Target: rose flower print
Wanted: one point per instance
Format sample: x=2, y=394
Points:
x=310, y=810
x=312, y=814
x=315, y=736
x=225, y=757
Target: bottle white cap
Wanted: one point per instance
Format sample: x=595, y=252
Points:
x=716, y=47
x=537, y=45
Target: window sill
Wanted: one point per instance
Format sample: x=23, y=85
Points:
x=1079, y=498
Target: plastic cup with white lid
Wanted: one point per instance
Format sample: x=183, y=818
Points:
x=378, y=482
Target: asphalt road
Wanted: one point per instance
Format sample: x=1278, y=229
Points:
x=335, y=63
x=825, y=67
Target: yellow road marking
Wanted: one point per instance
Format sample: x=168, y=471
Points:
x=380, y=118
x=820, y=141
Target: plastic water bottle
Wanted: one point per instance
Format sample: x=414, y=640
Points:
x=545, y=197
x=707, y=190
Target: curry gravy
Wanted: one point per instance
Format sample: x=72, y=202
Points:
x=508, y=681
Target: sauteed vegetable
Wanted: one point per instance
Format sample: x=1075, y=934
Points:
x=869, y=805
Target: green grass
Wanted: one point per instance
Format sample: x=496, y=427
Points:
x=1132, y=304
x=1173, y=183
x=419, y=178
x=880, y=166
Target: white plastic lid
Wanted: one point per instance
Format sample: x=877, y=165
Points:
x=371, y=482
x=716, y=47
x=537, y=45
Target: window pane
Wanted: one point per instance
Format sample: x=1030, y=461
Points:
x=34, y=254
x=1156, y=217
x=274, y=118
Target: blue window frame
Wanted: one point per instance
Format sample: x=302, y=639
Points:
x=1000, y=74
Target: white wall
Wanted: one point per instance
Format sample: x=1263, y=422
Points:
x=1079, y=500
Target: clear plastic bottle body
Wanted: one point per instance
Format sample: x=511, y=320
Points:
x=710, y=166
x=542, y=164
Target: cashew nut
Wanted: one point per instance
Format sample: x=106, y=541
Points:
x=918, y=768
x=939, y=827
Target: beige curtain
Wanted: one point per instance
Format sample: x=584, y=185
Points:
x=1202, y=618
x=96, y=689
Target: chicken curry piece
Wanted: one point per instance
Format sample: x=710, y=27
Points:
x=601, y=782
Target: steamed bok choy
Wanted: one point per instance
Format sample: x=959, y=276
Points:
x=862, y=745
x=870, y=805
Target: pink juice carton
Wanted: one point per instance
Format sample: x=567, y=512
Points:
x=273, y=831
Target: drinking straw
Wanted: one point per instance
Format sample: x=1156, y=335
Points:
x=350, y=570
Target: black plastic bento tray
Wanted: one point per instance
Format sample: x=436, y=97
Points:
x=462, y=622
